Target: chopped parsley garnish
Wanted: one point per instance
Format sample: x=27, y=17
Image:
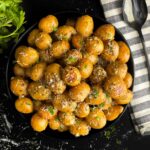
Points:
x=107, y=134
x=72, y=59
x=97, y=118
x=118, y=142
x=81, y=42
x=54, y=29
x=101, y=105
x=51, y=110
x=95, y=93
x=28, y=103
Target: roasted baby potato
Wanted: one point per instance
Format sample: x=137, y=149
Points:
x=105, y=32
x=94, y=45
x=115, y=87
x=48, y=24
x=77, y=41
x=54, y=123
x=85, y=25
x=26, y=56
x=111, y=50
x=24, y=105
x=18, y=86
x=38, y=91
x=71, y=76
x=38, y=123
x=124, y=52
x=80, y=92
x=80, y=128
x=65, y=32
x=117, y=68
x=18, y=70
x=82, y=110
x=128, y=80
x=96, y=118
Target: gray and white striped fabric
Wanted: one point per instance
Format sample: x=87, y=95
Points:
x=140, y=105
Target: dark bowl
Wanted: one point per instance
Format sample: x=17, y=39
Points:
x=62, y=17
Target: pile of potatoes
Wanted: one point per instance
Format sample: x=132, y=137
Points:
x=71, y=77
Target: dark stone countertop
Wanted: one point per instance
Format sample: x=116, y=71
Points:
x=15, y=133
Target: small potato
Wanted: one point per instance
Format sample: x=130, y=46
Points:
x=62, y=127
x=24, y=105
x=54, y=123
x=80, y=92
x=59, y=48
x=94, y=45
x=85, y=67
x=38, y=91
x=96, y=118
x=70, y=22
x=46, y=56
x=128, y=80
x=71, y=76
x=80, y=128
x=111, y=50
x=63, y=103
x=37, y=71
x=65, y=32
x=85, y=25
x=96, y=96
x=124, y=52
x=18, y=86
x=67, y=118
x=107, y=103
x=115, y=87
x=113, y=112
x=98, y=75
x=26, y=56
x=18, y=70
x=125, y=99
x=72, y=57
x=92, y=58
x=38, y=123
x=77, y=41
x=117, y=68
x=105, y=32
x=32, y=36
x=47, y=111
x=48, y=24
x=43, y=41
x=82, y=110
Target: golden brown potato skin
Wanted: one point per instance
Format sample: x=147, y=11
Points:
x=65, y=32
x=38, y=91
x=115, y=87
x=96, y=96
x=47, y=111
x=32, y=36
x=80, y=92
x=80, y=128
x=94, y=45
x=124, y=52
x=67, y=118
x=98, y=75
x=85, y=25
x=105, y=32
x=43, y=40
x=18, y=70
x=113, y=112
x=85, y=67
x=125, y=99
x=26, y=56
x=24, y=105
x=63, y=103
x=71, y=76
x=77, y=41
x=117, y=68
x=72, y=57
x=37, y=71
x=38, y=123
x=59, y=48
x=18, y=86
x=82, y=110
x=128, y=80
x=111, y=50
x=48, y=24
x=54, y=123
x=96, y=118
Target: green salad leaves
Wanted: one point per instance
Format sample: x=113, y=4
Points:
x=12, y=18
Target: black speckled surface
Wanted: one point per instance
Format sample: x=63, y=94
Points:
x=15, y=134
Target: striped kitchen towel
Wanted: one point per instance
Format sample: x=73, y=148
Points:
x=140, y=105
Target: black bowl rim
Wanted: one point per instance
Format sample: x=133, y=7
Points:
x=78, y=13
